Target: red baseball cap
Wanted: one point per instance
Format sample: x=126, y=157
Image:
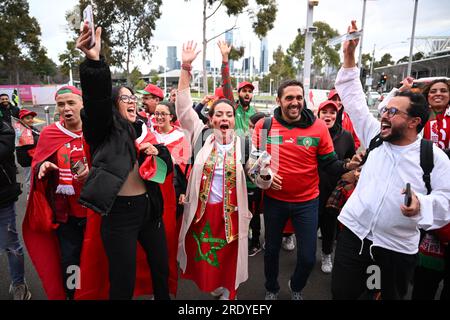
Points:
x=219, y=93
x=153, y=90
x=68, y=89
x=332, y=94
x=245, y=84
x=24, y=112
x=327, y=103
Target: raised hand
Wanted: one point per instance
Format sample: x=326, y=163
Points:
x=84, y=41
x=225, y=50
x=350, y=47
x=189, y=53
x=407, y=84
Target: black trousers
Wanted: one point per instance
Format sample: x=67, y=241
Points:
x=70, y=236
x=254, y=197
x=327, y=225
x=131, y=221
x=351, y=270
x=426, y=281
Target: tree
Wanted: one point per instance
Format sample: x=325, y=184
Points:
x=322, y=53
x=128, y=27
x=386, y=60
x=366, y=60
x=282, y=67
x=263, y=17
x=417, y=56
x=20, y=45
x=70, y=59
x=135, y=77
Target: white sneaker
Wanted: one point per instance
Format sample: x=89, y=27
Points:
x=288, y=243
x=327, y=265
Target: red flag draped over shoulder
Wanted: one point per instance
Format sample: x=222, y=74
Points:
x=94, y=263
x=38, y=225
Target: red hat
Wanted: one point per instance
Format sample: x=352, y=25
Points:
x=153, y=90
x=68, y=89
x=327, y=103
x=245, y=84
x=332, y=93
x=24, y=112
x=219, y=93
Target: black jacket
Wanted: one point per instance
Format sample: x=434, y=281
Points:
x=9, y=188
x=111, y=140
x=344, y=146
x=7, y=112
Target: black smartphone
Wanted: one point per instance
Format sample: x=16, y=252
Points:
x=408, y=195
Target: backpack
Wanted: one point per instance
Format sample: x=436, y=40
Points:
x=426, y=158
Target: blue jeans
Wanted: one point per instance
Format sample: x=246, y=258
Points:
x=9, y=242
x=304, y=216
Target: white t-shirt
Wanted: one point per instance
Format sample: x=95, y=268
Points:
x=216, y=195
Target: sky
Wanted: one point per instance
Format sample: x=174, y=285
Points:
x=388, y=26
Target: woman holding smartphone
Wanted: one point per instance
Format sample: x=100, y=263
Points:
x=131, y=207
x=213, y=242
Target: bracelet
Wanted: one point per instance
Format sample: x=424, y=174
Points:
x=187, y=67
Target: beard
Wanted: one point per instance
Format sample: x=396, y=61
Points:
x=244, y=103
x=397, y=133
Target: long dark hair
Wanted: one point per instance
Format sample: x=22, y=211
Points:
x=122, y=124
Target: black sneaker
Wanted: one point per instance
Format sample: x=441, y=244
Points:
x=254, y=249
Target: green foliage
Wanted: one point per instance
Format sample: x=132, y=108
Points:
x=322, y=54
x=70, y=57
x=386, y=60
x=236, y=53
x=366, y=60
x=128, y=27
x=282, y=67
x=140, y=85
x=135, y=77
x=21, y=52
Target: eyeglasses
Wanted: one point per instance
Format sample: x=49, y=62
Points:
x=391, y=111
x=162, y=114
x=128, y=99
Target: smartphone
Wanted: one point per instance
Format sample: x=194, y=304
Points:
x=408, y=195
x=89, y=17
x=78, y=168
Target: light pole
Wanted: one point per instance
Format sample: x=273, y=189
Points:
x=362, y=35
x=270, y=91
x=310, y=29
x=165, y=80
x=412, y=38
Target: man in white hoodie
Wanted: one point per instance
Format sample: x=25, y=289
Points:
x=379, y=229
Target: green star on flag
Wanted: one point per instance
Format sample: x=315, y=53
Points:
x=216, y=244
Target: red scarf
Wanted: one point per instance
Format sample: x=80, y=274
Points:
x=437, y=129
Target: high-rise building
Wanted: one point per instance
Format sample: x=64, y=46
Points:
x=229, y=39
x=264, y=59
x=172, y=58
x=246, y=66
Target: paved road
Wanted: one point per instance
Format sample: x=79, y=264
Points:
x=253, y=289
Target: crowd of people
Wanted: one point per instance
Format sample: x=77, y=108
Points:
x=119, y=199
